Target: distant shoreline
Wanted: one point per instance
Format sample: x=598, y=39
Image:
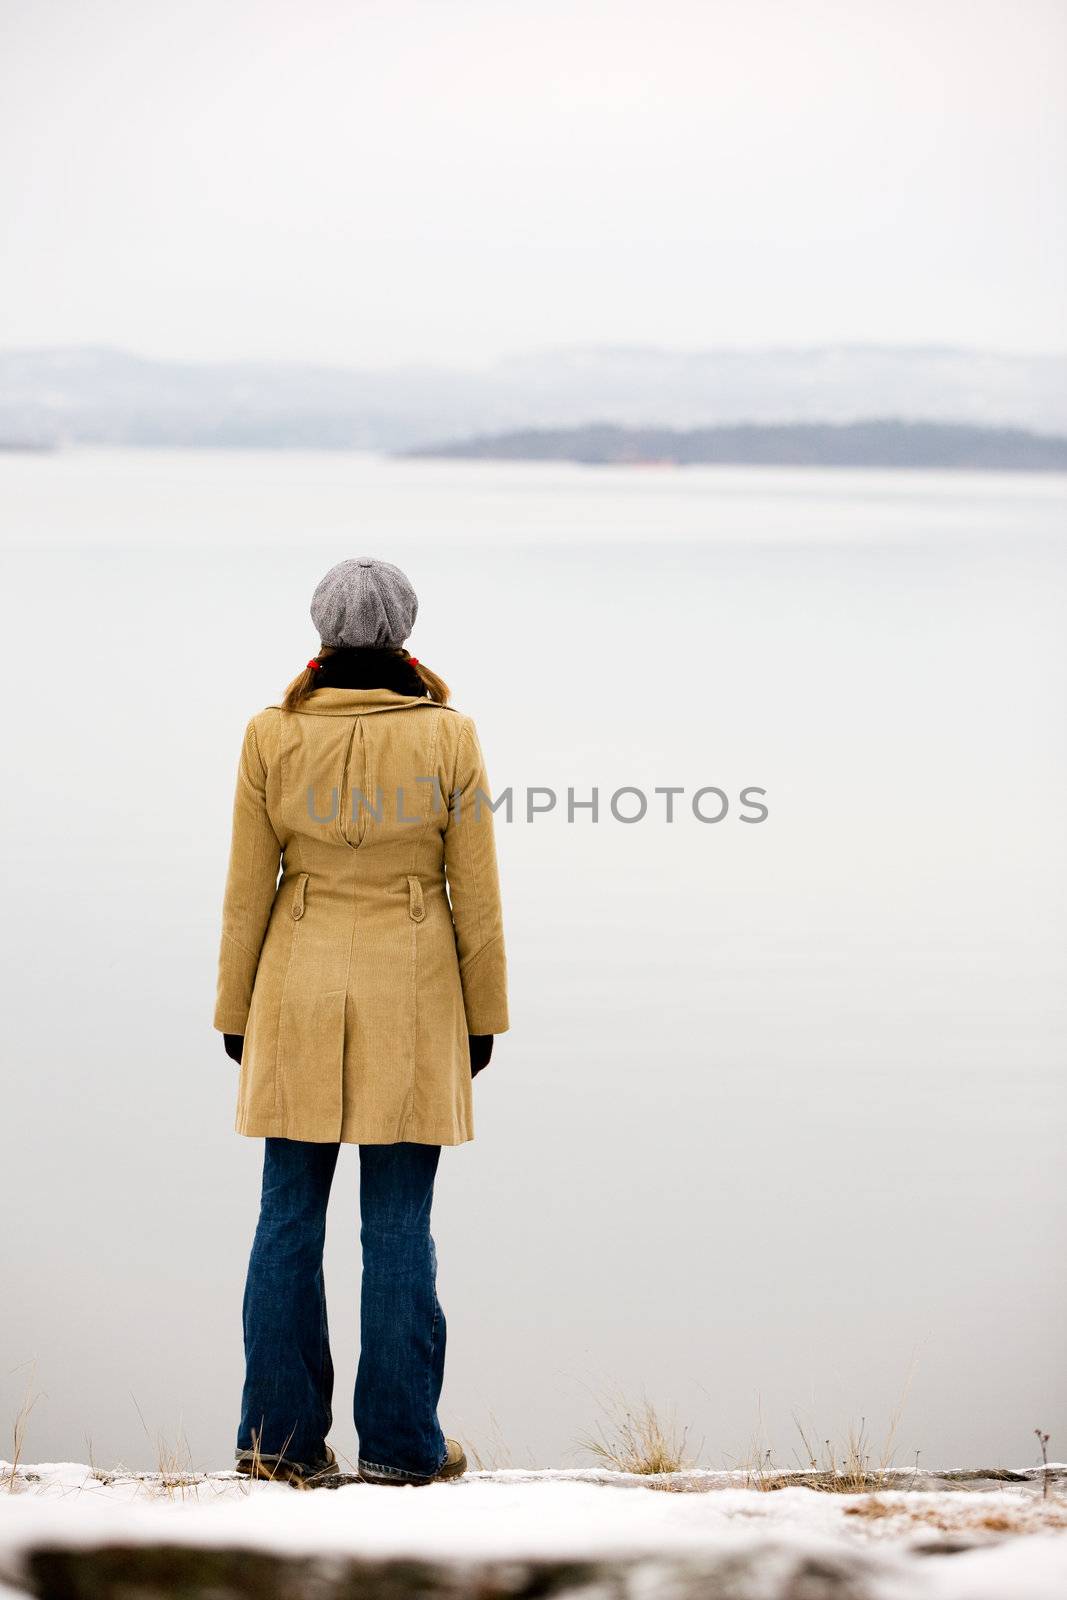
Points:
x=880, y=443
x=887, y=448
x=767, y=406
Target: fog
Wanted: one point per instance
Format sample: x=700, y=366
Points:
x=449, y=180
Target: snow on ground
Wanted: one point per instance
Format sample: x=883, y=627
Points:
x=986, y=1544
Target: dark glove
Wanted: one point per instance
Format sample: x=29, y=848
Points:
x=481, y=1047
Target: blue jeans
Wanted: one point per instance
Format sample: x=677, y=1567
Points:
x=288, y=1388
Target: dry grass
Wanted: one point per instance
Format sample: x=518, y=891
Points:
x=853, y=1467
x=760, y=1473
x=850, y=1467
x=495, y=1456
x=103, y=1475
x=636, y=1439
x=175, y=1473
x=12, y=1478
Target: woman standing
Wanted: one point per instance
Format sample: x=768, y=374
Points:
x=360, y=998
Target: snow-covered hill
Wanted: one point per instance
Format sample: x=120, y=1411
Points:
x=114, y=397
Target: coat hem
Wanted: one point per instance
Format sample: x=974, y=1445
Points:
x=254, y=1128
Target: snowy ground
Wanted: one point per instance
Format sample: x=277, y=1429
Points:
x=65, y=1529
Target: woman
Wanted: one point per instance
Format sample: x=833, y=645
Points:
x=360, y=999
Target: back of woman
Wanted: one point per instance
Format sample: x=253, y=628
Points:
x=366, y=980
x=361, y=979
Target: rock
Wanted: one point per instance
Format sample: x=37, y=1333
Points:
x=773, y=1570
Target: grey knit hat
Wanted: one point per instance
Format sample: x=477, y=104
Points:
x=364, y=602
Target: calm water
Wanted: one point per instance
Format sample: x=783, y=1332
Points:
x=780, y=1118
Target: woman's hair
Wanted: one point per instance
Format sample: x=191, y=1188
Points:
x=366, y=669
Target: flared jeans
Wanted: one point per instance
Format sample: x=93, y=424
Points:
x=288, y=1390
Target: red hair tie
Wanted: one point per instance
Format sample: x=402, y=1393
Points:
x=314, y=666
x=414, y=660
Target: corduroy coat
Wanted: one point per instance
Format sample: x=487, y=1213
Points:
x=356, y=976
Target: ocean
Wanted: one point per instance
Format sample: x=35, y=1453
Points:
x=778, y=1126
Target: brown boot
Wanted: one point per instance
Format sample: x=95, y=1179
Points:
x=453, y=1466
x=279, y=1469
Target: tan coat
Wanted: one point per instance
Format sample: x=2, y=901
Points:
x=356, y=977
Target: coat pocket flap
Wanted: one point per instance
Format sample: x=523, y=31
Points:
x=416, y=906
x=298, y=896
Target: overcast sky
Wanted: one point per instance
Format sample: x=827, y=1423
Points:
x=383, y=181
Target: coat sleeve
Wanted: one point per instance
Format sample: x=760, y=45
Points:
x=474, y=890
x=255, y=856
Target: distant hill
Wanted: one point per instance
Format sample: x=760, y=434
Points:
x=103, y=396
x=882, y=442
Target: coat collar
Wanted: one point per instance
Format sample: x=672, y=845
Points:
x=357, y=702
